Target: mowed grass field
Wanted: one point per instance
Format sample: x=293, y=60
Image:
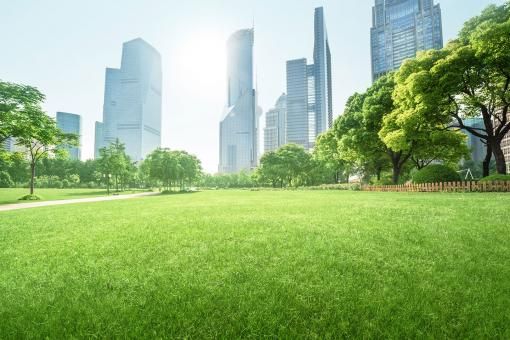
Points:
x=288, y=264
x=9, y=196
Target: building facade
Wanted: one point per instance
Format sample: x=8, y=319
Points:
x=9, y=144
x=239, y=125
x=309, y=90
x=71, y=123
x=505, y=144
x=99, y=139
x=275, y=135
x=132, y=101
x=477, y=148
x=401, y=28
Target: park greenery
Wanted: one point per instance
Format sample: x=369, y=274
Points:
x=407, y=121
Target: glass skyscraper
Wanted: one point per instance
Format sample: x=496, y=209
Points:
x=309, y=90
x=132, y=101
x=401, y=28
x=70, y=123
x=239, y=126
x=276, y=120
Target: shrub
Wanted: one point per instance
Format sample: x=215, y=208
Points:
x=30, y=198
x=497, y=177
x=5, y=180
x=436, y=173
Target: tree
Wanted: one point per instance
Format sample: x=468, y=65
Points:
x=468, y=78
x=289, y=164
x=358, y=139
x=115, y=163
x=18, y=168
x=17, y=105
x=42, y=138
x=327, y=154
x=173, y=167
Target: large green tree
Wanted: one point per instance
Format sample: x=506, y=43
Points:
x=42, y=138
x=468, y=78
x=18, y=106
x=288, y=165
x=173, y=168
x=328, y=156
x=115, y=164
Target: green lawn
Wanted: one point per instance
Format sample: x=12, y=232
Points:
x=8, y=196
x=229, y=264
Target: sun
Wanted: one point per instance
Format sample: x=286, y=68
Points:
x=201, y=62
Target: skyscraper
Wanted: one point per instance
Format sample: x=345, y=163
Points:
x=132, y=101
x=8, y=144
x=505, y=144
x=239, y=126
x=99, y=139
x=476, y=146
x=70, y=123
x=401, y=28
x=309, y=90
x=276, y=119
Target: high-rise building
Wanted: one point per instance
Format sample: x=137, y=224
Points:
x=477, y=148
x=99, y=139
x=132, y=101
x=70, y=123
x=9, y=144
x=276, y=119
x=239, y=126
x=309, y=90
x=505, y=144
x=401, y=28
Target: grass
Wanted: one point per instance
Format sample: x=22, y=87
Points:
x=9, y=196
x=230, y=264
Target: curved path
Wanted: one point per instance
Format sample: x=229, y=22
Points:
x=19, y=206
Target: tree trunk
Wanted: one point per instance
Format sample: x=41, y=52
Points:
x=396, y=173
x=487, y=162
x=397, y=167
x=500, y=158
x=378, y=172
x=32, y=177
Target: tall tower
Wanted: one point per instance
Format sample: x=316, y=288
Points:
x=276, y=120
x=322, y=72
x=132, y=101
x=239, y=126
x=70, y=123
x=401, y=28
x=309, y=90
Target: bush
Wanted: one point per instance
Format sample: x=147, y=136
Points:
x=436, y=173
x=5, y=180
x=30, y=198
x=497, y=177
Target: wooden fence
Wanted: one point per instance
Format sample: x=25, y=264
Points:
x=497, y=186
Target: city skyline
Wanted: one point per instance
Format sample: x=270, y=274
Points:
x=75, y=61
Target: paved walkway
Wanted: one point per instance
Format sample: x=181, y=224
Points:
x=19, y=206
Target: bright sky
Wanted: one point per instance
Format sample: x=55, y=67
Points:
x=64, y=46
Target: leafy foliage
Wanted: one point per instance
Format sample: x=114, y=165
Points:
x=436, y=173
x=173, y=168
x=496, y=177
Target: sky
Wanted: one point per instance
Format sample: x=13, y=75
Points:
x=63, y=47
